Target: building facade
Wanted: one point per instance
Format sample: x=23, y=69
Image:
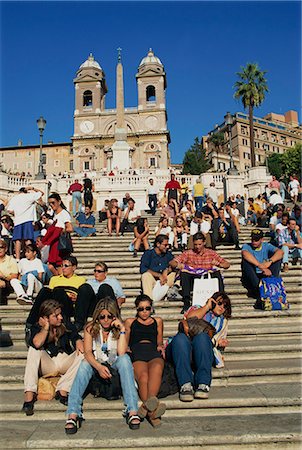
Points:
x=274, y=133
x=90, y=148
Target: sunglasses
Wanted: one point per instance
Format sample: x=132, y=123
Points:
x=52, y=203
x=146, y=308
x=2, y=246
x=220, y=304
x=66, y=265
x=99, y=271
x=106, y=316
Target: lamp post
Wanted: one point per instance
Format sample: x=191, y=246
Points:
x=228, y=120
x=41, y=122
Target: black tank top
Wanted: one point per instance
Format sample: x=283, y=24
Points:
x=140, y=332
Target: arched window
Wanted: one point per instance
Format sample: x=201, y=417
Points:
x=150, y=94
x=87, y=99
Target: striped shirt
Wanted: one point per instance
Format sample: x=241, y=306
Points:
x=206, y=260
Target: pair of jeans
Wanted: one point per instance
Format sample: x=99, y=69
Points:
x=290, y=252
x=199, y=201
x=76, y=199
x=84, y=232
x=250, y=278
x=183, y=351
x=152, y=203
x=124, y=367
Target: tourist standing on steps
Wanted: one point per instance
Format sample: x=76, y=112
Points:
x=144, y=335
x=23, y=206
x=198, y=194
x=54, y=346
x=293, y=188
x=259, y=259
x=184, y=192
x=195, y=380
x=152, y=193
x=75, y=190
x=173, y=188
x=88, y=189
x=105, y=344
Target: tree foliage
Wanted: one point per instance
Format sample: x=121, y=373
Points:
x=286, y=164
x=250, y=89
x=195, y=160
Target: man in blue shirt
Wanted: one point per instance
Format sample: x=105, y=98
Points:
x=94, y=290
x=85, y=223
x=259, y=259
x=155, y=265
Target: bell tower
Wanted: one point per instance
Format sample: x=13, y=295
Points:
x=151, y=83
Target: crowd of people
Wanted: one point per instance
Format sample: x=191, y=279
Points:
x=75, y=325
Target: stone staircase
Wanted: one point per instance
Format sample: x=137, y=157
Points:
x=254, y=402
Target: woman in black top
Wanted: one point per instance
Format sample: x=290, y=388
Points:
x=54, y=346
x=145, y=338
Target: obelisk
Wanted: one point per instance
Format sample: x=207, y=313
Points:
x=120, y=148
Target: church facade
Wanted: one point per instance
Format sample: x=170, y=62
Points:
x=94, y=139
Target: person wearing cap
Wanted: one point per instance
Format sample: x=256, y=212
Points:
x=259, y=259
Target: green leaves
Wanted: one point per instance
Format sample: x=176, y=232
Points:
x=195, y=160
x=286, y=164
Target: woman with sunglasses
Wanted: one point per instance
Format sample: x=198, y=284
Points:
x=203, y=351
x=104, y=342
x=180, y=233
x=61, y=223
x=144, y=335
x=54, y=346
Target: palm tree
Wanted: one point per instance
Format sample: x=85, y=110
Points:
x=217, y=139
x=250, y=89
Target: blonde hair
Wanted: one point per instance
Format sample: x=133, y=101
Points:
x=93, y=327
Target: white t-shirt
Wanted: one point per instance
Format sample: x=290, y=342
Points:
x=204, y=227
x=280, y=227
x=26, y=266
x=275, y=199
x=294, y=184
x=133, y=214
x=62, y=218
x=165, y=230
x=274, y=220
x=23, y=206
x=153, y=189
x=213, y=193
x=235, y=212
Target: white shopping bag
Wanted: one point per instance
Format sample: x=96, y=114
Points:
x=159, y=291
x=203, y=289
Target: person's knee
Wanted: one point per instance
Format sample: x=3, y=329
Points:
x=201, y=340
x=180, y=341
x=143, y=377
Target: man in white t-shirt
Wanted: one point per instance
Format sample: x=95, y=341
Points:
x=275, y=198
x=23, y=207
x=152, y=192
x=212, y=192
x=130, y=217
x=293, y=188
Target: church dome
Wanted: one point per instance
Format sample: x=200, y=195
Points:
x=150, y=59
x=90, y=62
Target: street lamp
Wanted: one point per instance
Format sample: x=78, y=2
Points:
x=41, y=122
x=228, y=120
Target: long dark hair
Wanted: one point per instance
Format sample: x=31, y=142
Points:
x=227, y=303
x=57, y=197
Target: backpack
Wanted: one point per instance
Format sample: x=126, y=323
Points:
x=169, y=384
x=272, y=294
x=110, y=389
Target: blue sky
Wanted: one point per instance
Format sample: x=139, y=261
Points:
x=201, y=44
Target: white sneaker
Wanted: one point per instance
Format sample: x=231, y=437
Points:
x=202, y=391
x=24, y=300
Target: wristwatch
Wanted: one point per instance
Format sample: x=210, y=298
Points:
x=270, y=260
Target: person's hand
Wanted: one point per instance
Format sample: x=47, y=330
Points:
x=223, y=342
x=297, y=228
x=44, y=322
x=117, y=323
x=2, y=284
x=104, y=372
x=161, y=349
x=267, y=272
x=163, y=279
x=73, y=296
x=180, y=266
x=79, y=346
x=265, y=265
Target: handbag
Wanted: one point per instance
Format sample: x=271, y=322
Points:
x=159, y=291
x=65, y=243
x=110, y=389
x=169, y=384
x=194, y=326
x=272, y=294
x=47, y=386
x=203, y=289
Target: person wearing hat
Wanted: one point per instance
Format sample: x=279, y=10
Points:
x=259, y=259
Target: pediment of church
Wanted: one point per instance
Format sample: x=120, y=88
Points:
x=86, y=78
x=151, y=72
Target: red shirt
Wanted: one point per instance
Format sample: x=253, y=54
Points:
x=173, y=184
x=75, y=187
x=207, y=260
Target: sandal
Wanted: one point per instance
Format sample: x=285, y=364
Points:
x=142, y=411
x=157, y=409
x=154, y=421
x=152, y=403
x=130, y=419
x=62, y=398
x=76, y=423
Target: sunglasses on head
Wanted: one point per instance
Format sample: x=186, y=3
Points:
x=144, y=308
x=99, y=271
x=106, y=316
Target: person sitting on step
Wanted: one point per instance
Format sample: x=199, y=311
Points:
x=180, y=232
x=131, y=215
x=94, y=290
x=105, y=344
x=54, y=346
x=141, y=234
x=114, y=215
x=224, y=231
x=290, y=241
x=8, y=271
x=259, y=259
x=164, y=228
x=198, y=258
x=144, y=335
x=193, y=357
x=85, y=223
